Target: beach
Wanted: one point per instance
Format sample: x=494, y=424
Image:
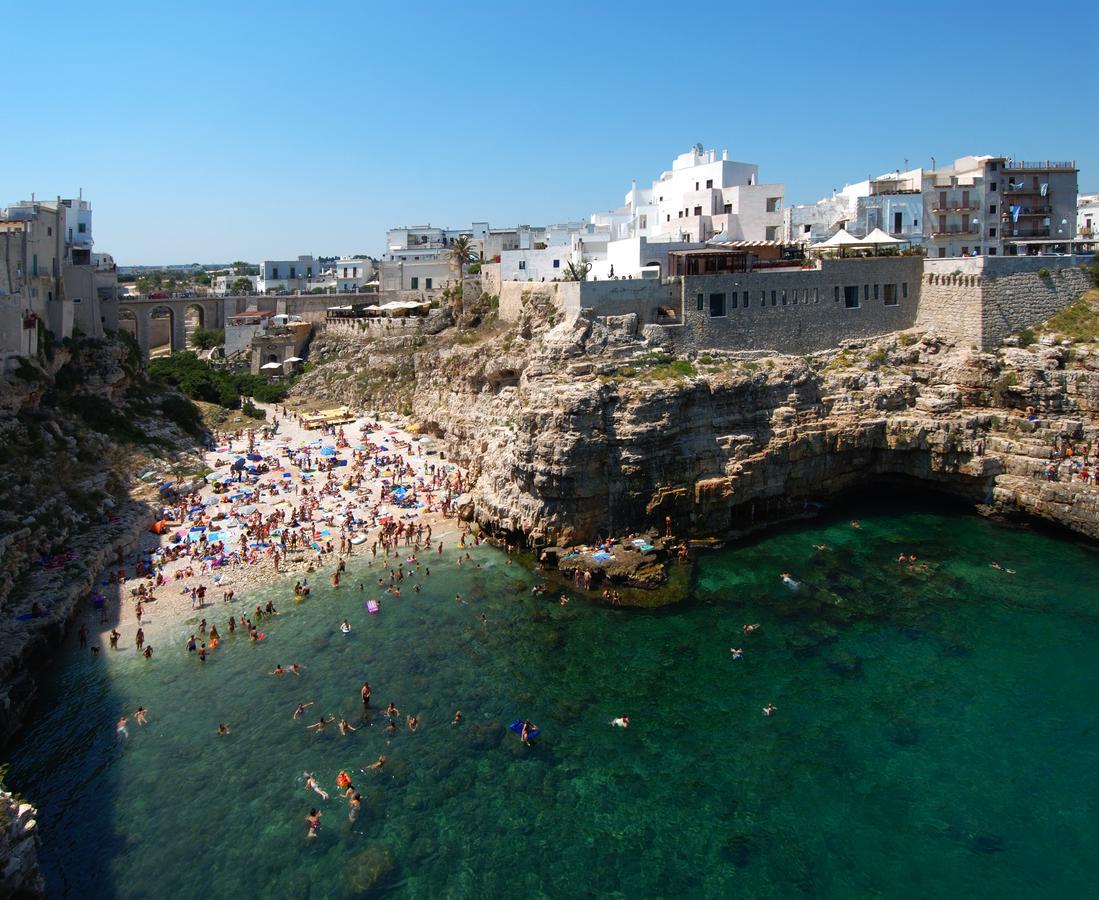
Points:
x=338, y=492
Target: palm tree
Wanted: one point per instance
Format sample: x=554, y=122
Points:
x=461, y=253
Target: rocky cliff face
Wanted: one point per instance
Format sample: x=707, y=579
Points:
x=574, y=429
x=78, y=426
x=20, y=876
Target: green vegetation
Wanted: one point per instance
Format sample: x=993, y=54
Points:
x=907, y=339
x=183, y=413
x=241, y=285
x=201, y=381
x=208, y=338
x=252, y=411
x=1027, y=337
x=577, y=271
x=1044, y=273
x=656, y=366
x=1094, y=269
x=1079, y=322
x=877, y=357
x=1001, y=389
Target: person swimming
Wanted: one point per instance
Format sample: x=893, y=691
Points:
x=345, y=627
x=769, y=709
x=789, y=582
x=413, y=722
x=346, y=726
x=377, y=764
x=223, y=729
x=320, y=724
x=748, y=629
x=526, y=735
x=311, y=784
x=300, y=708
x=457, y=718
x=392, y=710
x=278, y=670
x=355, y=802
x=314, y=820
x=141, y=715
x=621, y=722
x=121, y=730
x=737, y=652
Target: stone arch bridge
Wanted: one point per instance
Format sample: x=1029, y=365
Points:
x=167, y=322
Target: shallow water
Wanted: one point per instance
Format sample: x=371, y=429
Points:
x=936, y=735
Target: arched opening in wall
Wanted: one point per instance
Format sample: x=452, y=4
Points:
x=665, y=315
x=194, y=318
x=273, y=357
x=654, y=264
x=127, y=322
x=162, y=329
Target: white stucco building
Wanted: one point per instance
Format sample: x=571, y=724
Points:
x=352, y=273
x=288, y=274
x=1087, y=216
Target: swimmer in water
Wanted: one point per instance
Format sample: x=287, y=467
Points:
x=346, y=726
x=748, y=629
x=789, y=582
x=300, y=708
x=311, y=783
x=457, y=718
x=295, y=668
x=278, y=670
x=821, y=547
x=392, y=710
x=355, y=802
x=391, y=728
x=526, y=734
x=321, y=724
x=377, y=764
x=314, y=820
x=223, y=728
x=141, y=715
x=855, y=523
x=120, y=728
x=737, y=652
x=621, y=722
x=769, y=709
x=413, y=722
x=345, y=627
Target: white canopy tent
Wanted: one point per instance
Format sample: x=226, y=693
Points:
x=878, y=238
x=840, y=239
x=271, y=365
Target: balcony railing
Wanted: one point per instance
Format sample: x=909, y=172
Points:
x=1026, y=233
x=1030, y=211
x=1016, y=165
x=954, y=229
x=954, y=205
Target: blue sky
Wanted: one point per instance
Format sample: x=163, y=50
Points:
x=215, y=131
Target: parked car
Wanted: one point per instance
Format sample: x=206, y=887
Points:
x=158, y=295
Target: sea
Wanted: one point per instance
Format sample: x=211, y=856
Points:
x=935, y=731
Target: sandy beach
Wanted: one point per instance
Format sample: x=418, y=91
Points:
x=292, y=503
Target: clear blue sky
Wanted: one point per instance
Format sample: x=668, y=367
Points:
x=209, y=132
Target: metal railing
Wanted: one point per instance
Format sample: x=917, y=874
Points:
x=951, y=205
x=955, y=229
x=1013, y=165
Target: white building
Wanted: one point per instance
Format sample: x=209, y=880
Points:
x=352, y=273
x=223, y=284
x=1087, y=216
x=288, y=274
x=417, y=258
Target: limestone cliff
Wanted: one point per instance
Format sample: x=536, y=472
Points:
x=79, y=425
x=574, y=429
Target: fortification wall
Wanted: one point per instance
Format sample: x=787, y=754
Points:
x=1017, y=301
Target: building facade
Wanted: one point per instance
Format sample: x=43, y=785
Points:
x=288, y=274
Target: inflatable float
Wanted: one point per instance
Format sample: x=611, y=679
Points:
x=517, y=727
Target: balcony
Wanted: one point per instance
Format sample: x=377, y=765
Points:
x=954, y=205
x=950, y=230
x=1023, y=233
x=1030, y=211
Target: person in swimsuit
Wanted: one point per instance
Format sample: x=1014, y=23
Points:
x=355, y=802
x=346, y=726
x=526, y=733
x=300, y=708
x=120, y=729
x=141, y=715
x=278, y=670
x=392, y=711
x=223, y=729
x=377, y=764
x=457, y=718
x=769, y=709
x=311, y=783
x=148, y=651
x=314, y=820
x=365, y=693
x=413, y=722
x=737, y=652
x=320, y=725
x=295, y=668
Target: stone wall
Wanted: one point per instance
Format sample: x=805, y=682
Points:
x=432, y=323
x=19, y=873
x=798, y=311
x=983, y=301
x=490, y=278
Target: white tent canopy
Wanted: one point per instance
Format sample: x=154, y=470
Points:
x=294, y=359
x=840, y=239
x=271, y=365
x=877, y=237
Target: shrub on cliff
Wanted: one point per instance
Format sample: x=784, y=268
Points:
x=207, y=338
x=201, y=381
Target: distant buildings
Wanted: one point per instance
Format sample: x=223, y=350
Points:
x=353, y=273
x=287, y=274
x=1087, y=216
x=49, y=274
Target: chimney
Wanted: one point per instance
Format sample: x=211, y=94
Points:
x=725, y=155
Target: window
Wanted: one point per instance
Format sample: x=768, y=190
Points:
x=890, y=295
x=427, y=284
x=34, y=266
x=876, y=286
x=309, y=272
x=709, y=182
x=679, y=214
x=698, y=210
x=784, y=298
x=915, y=223
x=76, y=299
x=774, y=204
x=717, y=305
x=82, y=227
x=274, y=271
x=668, y=217
x=762, y=298
x=992, y=187
x=992, y=209
x=522, y=264
x=866, y=293
x=942, y=252
x=49, y=296
x=293, y=272
x=696, y=185
x=774, y=298
x=991, y=251
x=415, y=282
x=701, y=302
x=49, y=231
x=836, y=294
x=643, y=221
x=745, y=300
x=727, y=208
x=904, y=289
x=557, y=264
x=805, y=229
x=851, y=296
x=771, y=233
x=794, y=296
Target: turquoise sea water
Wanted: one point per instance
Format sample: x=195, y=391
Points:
x=937, y=735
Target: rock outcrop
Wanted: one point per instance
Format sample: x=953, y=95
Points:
x=577, y=428
x=20, y=877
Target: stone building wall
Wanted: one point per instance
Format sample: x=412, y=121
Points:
x=951, y=304
x=1017, y=301
x=361, y=326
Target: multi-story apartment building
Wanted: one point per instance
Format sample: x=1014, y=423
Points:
x=1087, y=217
x=353, y=273
x=992, y=205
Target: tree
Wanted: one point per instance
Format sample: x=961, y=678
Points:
x=144, y=284
x=202, y=278
x=577, y=271
x=241, y=286
x=207, y=338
